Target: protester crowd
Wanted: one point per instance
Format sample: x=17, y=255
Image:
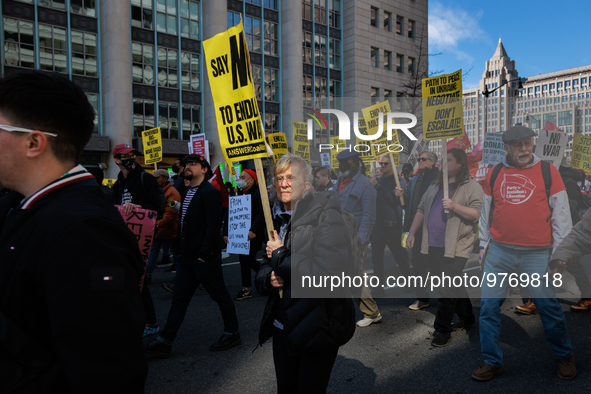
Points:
x=72, y=270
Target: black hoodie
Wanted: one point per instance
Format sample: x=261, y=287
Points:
x=133, y=190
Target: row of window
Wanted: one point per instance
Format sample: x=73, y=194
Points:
x=318, y=7
x=317, y=54
x=82, y=7
x=376, y=97
x=410, y=65
x=142, y=15
x=254, y=35
x=173, y=124
x=19, y=48
x=386, y=24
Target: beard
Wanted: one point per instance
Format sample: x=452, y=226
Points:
x=188, y=176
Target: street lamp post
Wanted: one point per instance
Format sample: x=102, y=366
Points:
x=487, y=93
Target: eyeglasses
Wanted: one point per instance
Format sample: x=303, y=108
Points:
x=10, y=129
x=384, y=164
x=279, y=179
x=423, y=158
x=191, y=163
x=127, y=157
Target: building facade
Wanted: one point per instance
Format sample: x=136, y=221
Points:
x=141, y=62
x=561, y=97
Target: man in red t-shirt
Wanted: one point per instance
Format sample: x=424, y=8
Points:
x=524, y=228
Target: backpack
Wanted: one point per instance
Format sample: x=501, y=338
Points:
x=547, y=185
x=161, y=199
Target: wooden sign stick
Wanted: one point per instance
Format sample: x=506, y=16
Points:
x=444, y=169
x=393, y=164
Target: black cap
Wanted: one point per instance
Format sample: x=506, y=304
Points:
x=406, y=168
x=517, y=133
x=346, y=154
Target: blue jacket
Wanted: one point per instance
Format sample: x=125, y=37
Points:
x=359, y=199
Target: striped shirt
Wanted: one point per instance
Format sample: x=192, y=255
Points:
x=188, y=197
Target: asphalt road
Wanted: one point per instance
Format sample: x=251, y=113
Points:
x=393, y=356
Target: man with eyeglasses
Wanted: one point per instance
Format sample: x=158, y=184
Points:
x=198, y=245
x=70, y=309
x=415, y=189
x=388, y=227
x=528, y=223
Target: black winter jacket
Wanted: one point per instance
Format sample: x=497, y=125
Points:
x=318, y=231
x=200, y=235
x=132, y=190
x=387, y=203
x=63, y=327
x=570, y=176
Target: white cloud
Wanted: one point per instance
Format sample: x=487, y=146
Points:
x=448, y=27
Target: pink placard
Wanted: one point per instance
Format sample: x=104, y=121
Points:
x=142, y=223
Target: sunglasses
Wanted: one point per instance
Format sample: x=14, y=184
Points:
x=423, y=158
x=10, y=129
x=384, y=164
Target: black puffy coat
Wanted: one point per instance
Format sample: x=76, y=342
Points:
x=318, y=231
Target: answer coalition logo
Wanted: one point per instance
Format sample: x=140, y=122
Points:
x=516, y=188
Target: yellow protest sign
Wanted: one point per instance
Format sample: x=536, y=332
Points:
x=278, y=144
x=301, y=145
x=152, y=140
x=581, y=157
x=109, y=182
x=366, y=151
x=338, y=145
x=236, y=108
x=372, y=117
x=443, y=114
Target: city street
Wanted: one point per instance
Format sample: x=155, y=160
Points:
x=393, y=356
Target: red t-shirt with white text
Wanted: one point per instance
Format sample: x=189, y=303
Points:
x=521, y=214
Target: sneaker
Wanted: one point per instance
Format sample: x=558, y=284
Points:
x=529, y=308
x=366, y=321
x=226, y=342
x=168, y=286
x=151, y=330
x=440, y=339
x=461, y=324
x=165, y=262
x=243, y=294
x=582, y=305
x=417, y=305
x=158, y=348
x=566, y=367
x=486, y=372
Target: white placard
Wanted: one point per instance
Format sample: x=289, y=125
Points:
x=325, y=160
x=238, y=225
x=551, y=146
x=493, y=148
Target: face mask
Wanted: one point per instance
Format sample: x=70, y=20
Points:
x=128, y=164
x=241, y=184
x=344, y=166
x=175, y=168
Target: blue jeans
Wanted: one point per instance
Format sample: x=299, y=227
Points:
x=500, y=260
x=157, y=244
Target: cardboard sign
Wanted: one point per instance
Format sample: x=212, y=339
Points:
x=152, y=140
x=420, y=146
x=278, y=144
x=109, y=182
x=372, y=118
x=141, y=222
x=581, y=158
x=239, y=224
x=236, y=108
x=301, y=144
x=325, y=160
x=493, y=148
x=443, y=113
x=551, y=146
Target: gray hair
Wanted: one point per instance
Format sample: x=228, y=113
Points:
x=432, y=155
x=289, y=160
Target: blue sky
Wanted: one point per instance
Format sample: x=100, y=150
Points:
x=541, y=36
